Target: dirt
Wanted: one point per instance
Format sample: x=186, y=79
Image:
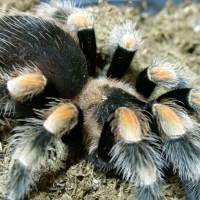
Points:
x=22, y=5
x=173, y=34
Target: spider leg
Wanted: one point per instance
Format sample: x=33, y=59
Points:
x=180, y=136
x=186, y=97
x=101, y=157
x=107, y=140
x=56, y=11
x=136, y=152
x=35, y=141
x=82, y=23
x=161, y=73
x=19, y=85
x=124, y=41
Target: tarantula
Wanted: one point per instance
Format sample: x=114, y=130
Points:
x=49, y=82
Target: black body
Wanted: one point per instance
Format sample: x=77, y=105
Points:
x=56, y=54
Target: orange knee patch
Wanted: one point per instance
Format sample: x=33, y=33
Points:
x=161, y=73
x=172, y=121
x=80, y=20
x=127, y=125
x=25, y=85
x=129, y=41
x=62, y=119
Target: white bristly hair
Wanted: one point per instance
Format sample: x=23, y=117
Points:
x=80, y=19
x=139, y=163
x=184, y=154
x=119, y=31
x=180, y=135
x=6, y=76
x=178, y=75
x=55, y=10
x=32, y=146
x=172, y=119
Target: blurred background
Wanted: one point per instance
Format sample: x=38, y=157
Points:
x=152, y=6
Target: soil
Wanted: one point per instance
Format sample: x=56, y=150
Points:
x=174, y=33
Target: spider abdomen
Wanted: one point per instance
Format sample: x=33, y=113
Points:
x=28, y=40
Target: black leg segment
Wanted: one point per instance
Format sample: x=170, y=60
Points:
x=88, y=45
x=120, y=63
x=144, y=85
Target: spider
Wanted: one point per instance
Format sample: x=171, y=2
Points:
x=49, y=81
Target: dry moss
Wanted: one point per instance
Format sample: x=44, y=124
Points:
x=22, y=5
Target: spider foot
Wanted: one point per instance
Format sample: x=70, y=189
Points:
x=180, y=139
x=99, y=162
x=150, y=192
x=135, y=152
x=35, y=141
